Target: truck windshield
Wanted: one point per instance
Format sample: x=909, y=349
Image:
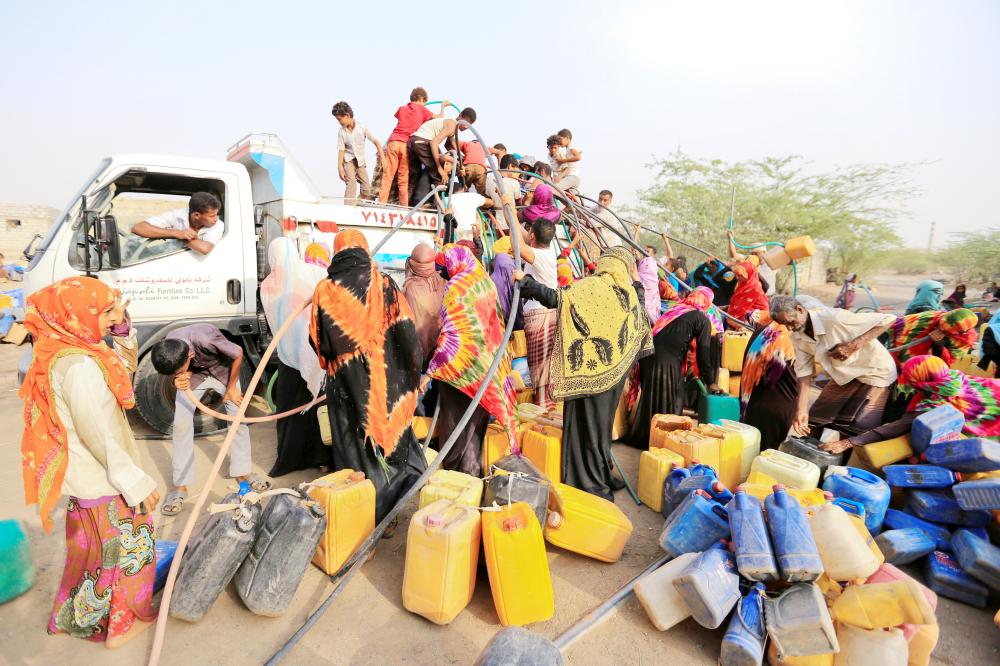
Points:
x=68, y=212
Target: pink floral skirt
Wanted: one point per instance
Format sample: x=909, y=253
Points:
x=107, y=582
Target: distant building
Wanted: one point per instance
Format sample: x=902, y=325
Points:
x=19, y=223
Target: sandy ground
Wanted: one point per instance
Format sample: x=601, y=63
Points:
x=368, y=624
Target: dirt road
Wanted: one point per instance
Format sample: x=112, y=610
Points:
x=368, y=624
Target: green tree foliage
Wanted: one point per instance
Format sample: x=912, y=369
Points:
x=970, y=256
x=973, y=255
x=911, y=261
x=853, y=208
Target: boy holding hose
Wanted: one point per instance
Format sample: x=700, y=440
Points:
x=200, y=358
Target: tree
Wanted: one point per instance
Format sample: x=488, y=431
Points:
x=854, y=208
x=973, y=255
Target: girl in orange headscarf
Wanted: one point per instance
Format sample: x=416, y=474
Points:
x=77, y=441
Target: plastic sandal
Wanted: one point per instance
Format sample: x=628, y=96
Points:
x=258, y=484
x=174, y=503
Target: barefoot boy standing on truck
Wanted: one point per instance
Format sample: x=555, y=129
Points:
x=351, y=152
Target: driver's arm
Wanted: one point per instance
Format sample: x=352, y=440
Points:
x=200, y=246
x=147, y=230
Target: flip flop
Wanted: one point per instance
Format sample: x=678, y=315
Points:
x=258, y=484
x=174, y=503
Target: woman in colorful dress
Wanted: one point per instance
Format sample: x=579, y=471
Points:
x=769, y=389
x=930, y=383
x=748, y=297
x=602, y=330
x=470, y=338
x=77, y=441
x=951, y=335
x=363, y=330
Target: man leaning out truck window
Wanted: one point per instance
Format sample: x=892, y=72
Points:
x=198, y=225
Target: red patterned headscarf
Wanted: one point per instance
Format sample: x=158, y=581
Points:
x=63, y=319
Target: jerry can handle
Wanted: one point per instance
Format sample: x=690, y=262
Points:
x=720, y=511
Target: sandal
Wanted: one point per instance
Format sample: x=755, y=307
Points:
x=258, y=484
x=174, y=503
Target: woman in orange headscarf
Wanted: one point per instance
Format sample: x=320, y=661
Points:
x=363, y=330
x=749, y=296
x=77, y=442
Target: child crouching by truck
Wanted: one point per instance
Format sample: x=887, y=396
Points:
x=199, y=357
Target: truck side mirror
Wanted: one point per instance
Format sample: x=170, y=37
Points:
x=110, y=243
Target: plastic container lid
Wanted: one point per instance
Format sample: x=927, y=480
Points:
x=434, y=520
x=827, y=495
x=778, y=486
x=718, y=486
x=510, y=524
x=958, y=476
x=554, y=520
x=356, y=477
x=702, y=493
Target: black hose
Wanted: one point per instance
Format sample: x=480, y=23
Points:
x=360, y=554
x=628, y=239
x=645, y=228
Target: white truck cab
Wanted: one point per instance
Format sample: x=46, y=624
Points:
x=264, y=194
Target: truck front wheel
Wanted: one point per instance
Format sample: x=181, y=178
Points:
x=155, y=394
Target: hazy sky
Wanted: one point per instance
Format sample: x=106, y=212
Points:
x=836, y=82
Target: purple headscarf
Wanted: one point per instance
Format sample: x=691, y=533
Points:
x=503, y=278
x=542, y=206
x=650, y=282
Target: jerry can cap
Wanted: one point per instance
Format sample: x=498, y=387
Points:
x=434, y=520
x=958, y=476
x=510, y=524
x=827, y=495
x=778, y=486
x=356, y=477
x=554, y=520
x=702, y=493
x=718, y=486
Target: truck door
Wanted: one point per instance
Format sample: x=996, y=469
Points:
x=164, y=279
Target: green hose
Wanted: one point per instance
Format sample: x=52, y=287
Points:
x=268, y=394
x=438, y=101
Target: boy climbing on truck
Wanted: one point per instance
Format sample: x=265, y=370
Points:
x=409, y=118
x=199, y=357
x=426, y=167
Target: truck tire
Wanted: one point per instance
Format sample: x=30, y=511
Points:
x=155, y=395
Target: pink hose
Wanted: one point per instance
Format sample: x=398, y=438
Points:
x=161, y=621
